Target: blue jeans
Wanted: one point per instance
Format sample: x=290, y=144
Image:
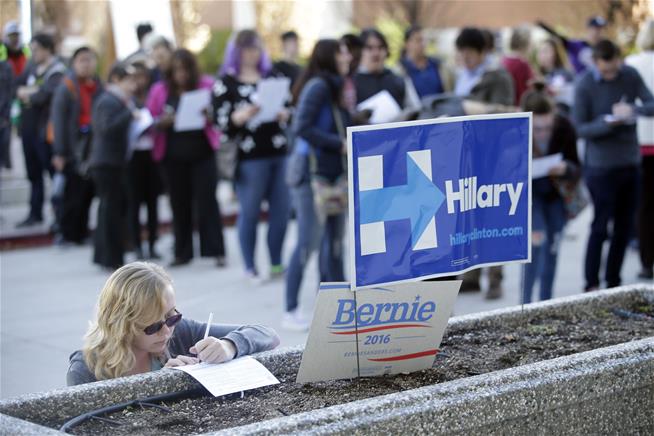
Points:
x=256, y=180
x=314, y=231
x=548, y=217
x=615, y=199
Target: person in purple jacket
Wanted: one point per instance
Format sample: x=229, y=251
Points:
x=139, y=329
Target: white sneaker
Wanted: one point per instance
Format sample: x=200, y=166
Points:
x=294, y=321
x=253, y=277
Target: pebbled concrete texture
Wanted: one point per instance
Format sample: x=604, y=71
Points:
x=608, y=390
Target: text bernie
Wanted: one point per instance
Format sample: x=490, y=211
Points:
x=383, y=313
x=470, y=196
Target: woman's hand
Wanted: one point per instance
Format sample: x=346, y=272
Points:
x=283, y=116
x=166, y=120
x=181, y=361
x=558, y=169
x=243, y=114
x=214, y=350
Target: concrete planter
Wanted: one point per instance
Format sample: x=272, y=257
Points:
x=606, y=390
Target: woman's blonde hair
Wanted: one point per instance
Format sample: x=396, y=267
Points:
x=132, y=298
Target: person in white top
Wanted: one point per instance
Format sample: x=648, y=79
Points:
x=644, y=63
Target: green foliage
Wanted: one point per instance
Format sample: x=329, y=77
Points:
x=211, y=56
x=393, y=29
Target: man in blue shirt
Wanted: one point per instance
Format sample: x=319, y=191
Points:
x=605, y=113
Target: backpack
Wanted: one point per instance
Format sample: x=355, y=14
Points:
x=49, y=131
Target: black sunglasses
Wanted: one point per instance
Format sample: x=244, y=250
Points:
x=170, y=322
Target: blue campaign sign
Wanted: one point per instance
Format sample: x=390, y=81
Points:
x=438, y=197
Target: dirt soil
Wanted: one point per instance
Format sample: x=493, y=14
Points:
x=465, y=353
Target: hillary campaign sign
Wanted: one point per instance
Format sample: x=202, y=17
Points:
x=371, y=332
x=438, y=197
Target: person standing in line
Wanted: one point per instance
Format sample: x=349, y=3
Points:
x=144, y=174
x=481, y=80
x=35, y=90
x=372, y=76
x=142, y=31
x=516, y=63
x=16, y=55
x=643, y=62
x=71, y=120
x=113, y=113
x=354, y=47
x=580, y=51
x=6, y=97
x=556, y=74
x=189, y=162
x=424, y=75
x=288, y=65
x=552, y=134
x=262, y=148
x=605, y=113
x=160, y=51
x=320, y=143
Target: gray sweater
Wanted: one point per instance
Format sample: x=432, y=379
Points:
x=248, y=339
x=610, y=146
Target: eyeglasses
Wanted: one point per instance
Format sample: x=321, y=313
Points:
x=170, y=322
x=372, y=47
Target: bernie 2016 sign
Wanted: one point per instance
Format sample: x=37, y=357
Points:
x=377, y=331
x=438, y=197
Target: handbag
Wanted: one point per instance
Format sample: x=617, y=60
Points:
x=574, y=195
x=297, y=164
x=227, y=159
x=331, y=198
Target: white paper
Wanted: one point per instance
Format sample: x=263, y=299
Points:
x=270, y=96
x=384, y=108
x=140, y=125
x=238, y=375
x=540, y=167
x=190, y=110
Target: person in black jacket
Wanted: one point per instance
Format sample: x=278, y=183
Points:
x=71, y=119
x=112, y=114
x=35, y=89
x=373, y=76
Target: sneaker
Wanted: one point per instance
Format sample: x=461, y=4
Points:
x=294, y=321
x=276, y=272
x=494, y=292
x=221, y=262
x=253, y=277
x=29, y=222
x=647, y=274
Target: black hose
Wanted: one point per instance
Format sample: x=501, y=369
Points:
x=144, y=402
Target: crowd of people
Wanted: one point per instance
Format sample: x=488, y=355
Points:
x=77, y=128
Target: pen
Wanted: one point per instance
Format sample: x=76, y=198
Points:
x=206, y=332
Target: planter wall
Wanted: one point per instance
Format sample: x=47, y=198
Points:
x=604, y=390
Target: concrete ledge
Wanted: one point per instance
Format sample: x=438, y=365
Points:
x=604, y=390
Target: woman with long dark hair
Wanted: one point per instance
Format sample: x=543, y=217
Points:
x=318, y=190
x=261, y=148
x=552, y=134
x=189, y=162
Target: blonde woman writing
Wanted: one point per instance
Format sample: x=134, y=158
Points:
x=139, y=329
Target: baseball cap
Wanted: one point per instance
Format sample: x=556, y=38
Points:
x=596, y=21
x=11, y=28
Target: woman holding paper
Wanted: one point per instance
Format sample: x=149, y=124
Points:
x=317, y=164
x=552, y=134
x=239, y=94
x=139, y=329
x=188, y=158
